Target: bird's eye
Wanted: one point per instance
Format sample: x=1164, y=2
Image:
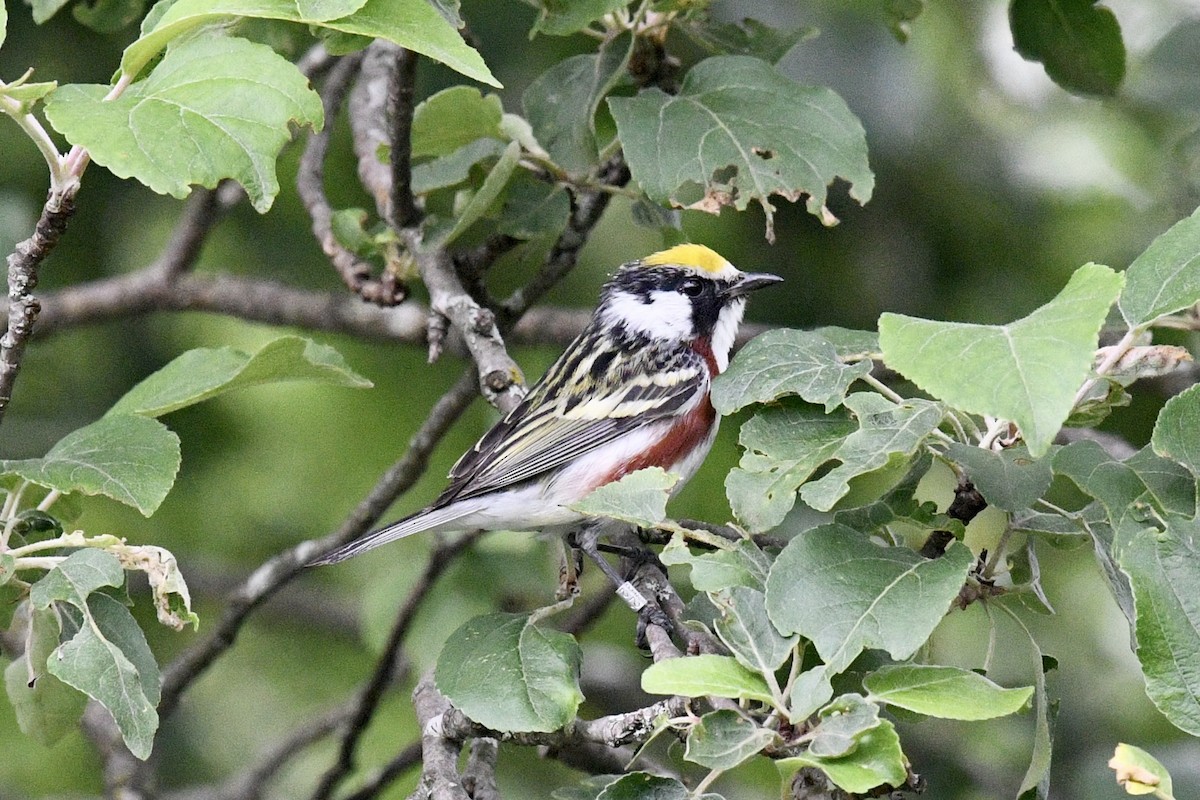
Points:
x=692, y=287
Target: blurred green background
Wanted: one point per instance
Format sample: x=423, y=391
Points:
x=992, y=186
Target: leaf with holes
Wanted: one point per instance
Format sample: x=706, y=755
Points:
x=215, y=107
x=738, y=132
x=1027, y=371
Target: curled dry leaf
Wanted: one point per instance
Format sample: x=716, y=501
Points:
x=1146, y=361
x=172, y=601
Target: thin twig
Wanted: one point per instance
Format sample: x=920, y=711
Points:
x=310, y=183
x=367, y=699
x=405, y=760
x=279, y=570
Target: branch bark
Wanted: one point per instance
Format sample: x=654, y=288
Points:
x=23, y=307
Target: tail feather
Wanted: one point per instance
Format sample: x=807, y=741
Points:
x=417, y=523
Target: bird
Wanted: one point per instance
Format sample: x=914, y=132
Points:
x=631, y=391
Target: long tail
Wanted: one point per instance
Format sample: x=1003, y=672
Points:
x=418, y=522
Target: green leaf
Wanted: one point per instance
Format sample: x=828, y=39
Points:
x=811, y=690
x=561, y=104
x=77, y=576
x=455, y=168
x=1009, y=479
x=1138, y=772
x=488, y=193
x=836, y=587
x=743, y=565
x=723, y=739
x=639, y=498
x=1078, y=41
x=109, y=16
x=206, y=372
x=454, y=118
x=644, y=786
x=412, y=24
x=750, y=38
x=784, y=445
x=739, y=131
x=3, y=23
x=704, y=676
x=1036, y=783
x=27, y=94
x=215, y=107
x=887, y=436
x=842, y=725
x=944, y=692
x=1128, y=490
x=1175, y=431
x=1164, y=570
x=533, y=208
x=510, y=675
x=107, y=658
x=782, y=362
x=131, y=459
x=96, y=666
x=564, y=17
x=877, y=760
x=745, y=629
x=1165, y=278
x=118, y=626
x=46, y=708
x=1027, y=371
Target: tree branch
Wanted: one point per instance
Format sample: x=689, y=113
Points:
x=310, y=183
x=23, y=307
x=282, y=568
x=366, y=702
x=400, y=111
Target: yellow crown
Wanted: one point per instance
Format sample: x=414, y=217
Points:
x=696, y=256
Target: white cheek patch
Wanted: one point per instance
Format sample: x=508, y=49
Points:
x=668, y=315
x=726, y=330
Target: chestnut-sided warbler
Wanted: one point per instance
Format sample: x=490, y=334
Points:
x=630, y=392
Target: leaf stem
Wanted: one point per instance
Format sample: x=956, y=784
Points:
x=41, y=138
x=49, y=500
x=706, y=782
x=1115, y=354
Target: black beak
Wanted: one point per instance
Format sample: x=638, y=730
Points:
x=750, y=282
